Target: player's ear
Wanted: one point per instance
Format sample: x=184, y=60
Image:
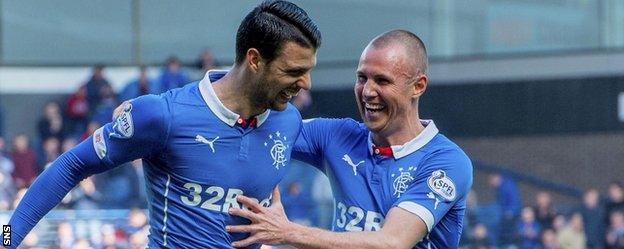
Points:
x=419, y=86
x=254, y=59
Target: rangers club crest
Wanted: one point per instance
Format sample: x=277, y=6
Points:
x=402, y=180
x=278, y=149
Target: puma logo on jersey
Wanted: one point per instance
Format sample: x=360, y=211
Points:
x=433, y=197
x=201, y=139
x=347, y=159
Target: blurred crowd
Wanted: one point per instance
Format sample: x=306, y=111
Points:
x=597, y=222
x=129, y=233
x=62, y=125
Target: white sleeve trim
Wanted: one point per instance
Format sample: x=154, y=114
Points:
x=420, y=211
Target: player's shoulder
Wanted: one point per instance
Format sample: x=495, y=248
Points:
x=144, y=106
x=139, y=117
x=346, y=126
x=347, y=123
x=442, y=149
x=146, y=110
x=189, y=94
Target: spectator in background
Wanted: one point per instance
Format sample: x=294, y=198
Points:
x=82, y=244
x=615, y=202
x=508, y=200
x=140, y=86
x=51, y=124
x=324, y=199
x=141, y=196
x=544, y=211
x=296, y=205
x=593, y=216
x=470, y=217
x=172, y=75
x=64, y=236
x=479, y=237
x=137, y=221
x=549, y=240
x=31, y=241
x=110, y=239
x=7, y=188
x=572, y=236
x=615, y=233
x=68, y=143
x=1, y=121
x=18, y=197
x=558, y=223
x=91, y=127
x=85, y=196
x=51, y=150
x=104, y=111
x=25, y=161
x=119, y=187
x=77, y=110
x=94, y=86
x=205, y=61
x=529, y=230
x=138, y=240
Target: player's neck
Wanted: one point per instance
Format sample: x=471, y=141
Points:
x=411, y=128
x=231, y=92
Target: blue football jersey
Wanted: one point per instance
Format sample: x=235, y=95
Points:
x=197, y=160
x=428, y=176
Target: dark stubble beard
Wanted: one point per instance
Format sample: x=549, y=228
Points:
x=260, y=95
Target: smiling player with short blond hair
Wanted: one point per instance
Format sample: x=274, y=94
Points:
x=397, y=182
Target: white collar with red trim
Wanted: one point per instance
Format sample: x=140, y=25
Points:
x=413, y=145
x=216, y=106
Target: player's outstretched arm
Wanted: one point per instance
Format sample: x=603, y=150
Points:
x=140, y=130
x=52, y=185
x=270, y=226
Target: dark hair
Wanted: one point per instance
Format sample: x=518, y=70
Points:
x=270, y=25
x=172, y=59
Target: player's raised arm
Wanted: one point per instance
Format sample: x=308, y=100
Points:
x=140, y=130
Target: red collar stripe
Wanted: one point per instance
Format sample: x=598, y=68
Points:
x=383, y=151
x=252, y=122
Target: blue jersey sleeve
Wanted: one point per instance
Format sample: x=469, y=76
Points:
x=314, y=137
x=309, y=145
x=444, y=178
x=125, y=139
x=140, y=130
